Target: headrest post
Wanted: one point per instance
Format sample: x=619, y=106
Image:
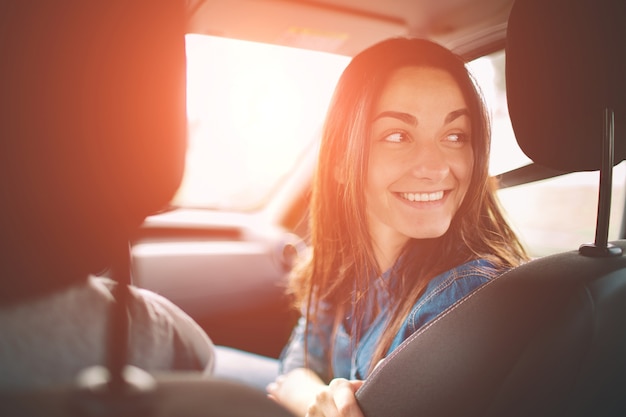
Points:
x=116, y=388
x=117, y=343
x=601, y=247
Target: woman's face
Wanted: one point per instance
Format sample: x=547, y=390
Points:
x=421, y=158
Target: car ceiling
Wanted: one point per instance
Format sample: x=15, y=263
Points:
x=347, y=26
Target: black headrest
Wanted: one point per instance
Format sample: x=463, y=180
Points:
x=93, y=127
x=566, y=62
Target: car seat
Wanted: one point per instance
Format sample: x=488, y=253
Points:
x=547, y=338
x=93, y=128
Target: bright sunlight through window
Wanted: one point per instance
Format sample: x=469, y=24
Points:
x=252, y=109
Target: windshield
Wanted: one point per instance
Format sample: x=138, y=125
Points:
x=254, y=109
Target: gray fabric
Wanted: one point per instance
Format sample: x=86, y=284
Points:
x=49, y=340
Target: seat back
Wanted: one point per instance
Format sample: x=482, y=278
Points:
x=544, y=339
x=547, y=338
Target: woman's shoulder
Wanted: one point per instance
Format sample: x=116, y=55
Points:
x=478, y=270
x=449, y=287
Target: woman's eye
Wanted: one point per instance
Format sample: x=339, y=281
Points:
x=395, y=137
x=457, y=137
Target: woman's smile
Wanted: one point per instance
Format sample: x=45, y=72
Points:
x=423, y=196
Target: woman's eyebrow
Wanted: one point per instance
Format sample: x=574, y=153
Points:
x=412, y=120
x=404, y=117
x=456, y=114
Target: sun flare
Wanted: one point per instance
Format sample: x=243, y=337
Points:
x=252, y=110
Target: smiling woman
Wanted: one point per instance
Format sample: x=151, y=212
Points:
x=403, y=221
x=253, y=109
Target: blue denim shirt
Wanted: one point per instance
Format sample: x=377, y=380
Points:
x=440, y=293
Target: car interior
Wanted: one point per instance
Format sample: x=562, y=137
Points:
x=547, y=338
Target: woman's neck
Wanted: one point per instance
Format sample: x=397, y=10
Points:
x=387, y=254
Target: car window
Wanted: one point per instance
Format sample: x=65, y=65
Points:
x=552, y=215
x=252, y=109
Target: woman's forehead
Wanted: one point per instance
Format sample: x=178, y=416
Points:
x=420, y=89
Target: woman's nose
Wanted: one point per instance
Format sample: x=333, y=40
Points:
x=428, y=161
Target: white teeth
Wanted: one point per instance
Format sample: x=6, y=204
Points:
x=423, y=196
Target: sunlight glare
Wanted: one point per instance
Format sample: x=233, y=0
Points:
x=252, y=110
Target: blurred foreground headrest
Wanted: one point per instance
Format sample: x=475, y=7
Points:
x=93, y=123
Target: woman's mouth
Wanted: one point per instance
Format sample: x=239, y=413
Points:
x=423, y=197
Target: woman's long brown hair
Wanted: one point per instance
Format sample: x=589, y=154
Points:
x=341, y=265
